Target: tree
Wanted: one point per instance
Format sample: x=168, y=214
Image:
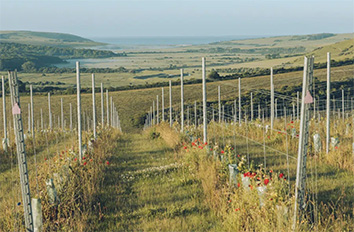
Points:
x=28, y=66
x=214, y=75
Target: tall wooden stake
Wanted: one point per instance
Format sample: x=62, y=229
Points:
x=62, y=114
x=271, y=99
x=195, y=114
x=182, y=102
x=78, y=89
x=303, y=140
x=21, y=151
x=107, y=106
x=170, y=93
x=251, y=106
x=163, y=104
x=71, y=117
x=157, y=110
x=205, y=120
x=50, y=113
x=343, y=106
x=93, y=107
x=219, y=103
x=4, y=110
x=239, y=101
x=102, y=105
x=328, y=110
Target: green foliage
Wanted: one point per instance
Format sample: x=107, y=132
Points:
x=214, y=75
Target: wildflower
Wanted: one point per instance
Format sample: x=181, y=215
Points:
x=211, y=149
x=84, y=163
x=107, y=162
x=91, y=160
x=297, y=135
x=279, y=132
x=268, y=137
x=185, y=147
x=222, y=152
x=75, y=159
x=205, y=143
x=281, y=175
x=19, y=203
x=232, y=148
x=271, y=171
x=237, y=209
x=229, y=201
x=83, y=157
x=238, y=156
x=251, y=187
x=193, y=144
x=266, y=181
x=292, y=121
x=335, y=147
x=238, y=185
x=200, y=147
x=45, y=158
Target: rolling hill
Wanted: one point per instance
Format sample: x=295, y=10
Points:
x=46, y=38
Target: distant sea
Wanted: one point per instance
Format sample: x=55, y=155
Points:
x=117, y=43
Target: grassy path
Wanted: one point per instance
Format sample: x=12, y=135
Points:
x=146, y=190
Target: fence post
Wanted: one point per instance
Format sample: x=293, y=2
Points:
x=195, y=114
x=297, y=107
x=182, y=102
x=343, y=106
x=328, y=101
x=62, y=114
x=205, y=122
x=251, y=106
x=111, y=118
x=239, y=101
x=42, y=125
x=102, y=105
x=107, y=106
x=303, y=139
x=50, y=113
x=4, y=111
x=271, y=99
x=71, y=117
x=219, y=103
x=21, y=150
x=78, y=89
x=163, y=104
x=93, y=107
x=153, y=113
x=157, y=110
x=170, y=93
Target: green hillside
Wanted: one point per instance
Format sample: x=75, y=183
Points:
x=45, y=38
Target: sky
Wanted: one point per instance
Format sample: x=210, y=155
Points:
x=117, y=18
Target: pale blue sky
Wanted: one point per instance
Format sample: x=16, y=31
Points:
x=111, y=18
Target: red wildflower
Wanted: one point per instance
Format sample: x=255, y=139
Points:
x=185, y=148
x=211, y=149
x=107, y=162
x=222, y=152
x=232, y=148
x=268, y=137
x=238, y=185
x=266, y=181
x=297, y=135
x=229, y=201
x=205, y=143
x=335, y=147
x=281, y=175
x=75, y=159
x=237, y=209
x=83, y=157
x=200, y=147
x=193, y=144
x=91, y=160
x=45, y=158
x=271, y=171
x=238, y=156
x=62, y=152
x=279, y=132
x=84, y=163
x=292, y=121
x=251, y=187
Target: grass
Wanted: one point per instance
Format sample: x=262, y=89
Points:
x=146, y=190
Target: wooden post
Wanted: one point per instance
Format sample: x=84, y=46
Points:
x=170, y=93
x=195, y=114
x=251, y=106
x=235, y=112
x=205, y=121
x=102, y=105
x=62, y=114
x=297, y=107
x=111, y=117
x=21, y=151
x=157, y=110
x=50, y=113
x=239, y=101
x=303, y=140
x=163, y=104
x=78, y=89
x=219, y=103
x=93, y=107
x=328, y=109
x=343, y=106
x=107, y=106
x=71, y=117
x=32, y=117
x=4, y=111
x=153, y=113
x=271, y=99
x=182, y=102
